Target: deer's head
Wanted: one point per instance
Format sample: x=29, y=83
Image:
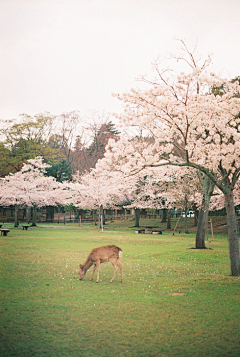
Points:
x=81, y=272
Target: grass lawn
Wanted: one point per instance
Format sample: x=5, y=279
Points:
x=174, y=301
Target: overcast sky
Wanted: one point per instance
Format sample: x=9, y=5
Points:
x=65, y=55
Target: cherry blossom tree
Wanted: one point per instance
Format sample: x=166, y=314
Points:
x=165, y=187
x=98, y=191
x=217, y=201
x=142, y=191
x=30, y=188
x=190, y=126
x=191, y=188
x=184, y=189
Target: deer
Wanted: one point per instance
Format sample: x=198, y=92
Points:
x=106, y=253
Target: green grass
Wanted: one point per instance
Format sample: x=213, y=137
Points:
x=46, y=311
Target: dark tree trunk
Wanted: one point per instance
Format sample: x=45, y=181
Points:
x=207, y=189
x=233, y=233
x=50, y=214
x=102, y=214
x=28, y=214
x=201, y=229
x=169, y=219
x=34, y=216
x=185, y=218
x=95, y=217
x=137, y=216
x=16, y=216
x=58, y=209
x=185, y=224
x=164, y=215
x=196, y=212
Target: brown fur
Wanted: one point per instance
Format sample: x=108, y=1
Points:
x=106, y=253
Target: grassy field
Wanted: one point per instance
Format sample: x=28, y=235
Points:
x=174, y=301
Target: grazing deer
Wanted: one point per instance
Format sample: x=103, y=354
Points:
x=107, y=253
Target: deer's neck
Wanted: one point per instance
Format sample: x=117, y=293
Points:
x=88, y=263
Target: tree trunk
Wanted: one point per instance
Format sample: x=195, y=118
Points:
x=207, y=190
x=185, y=224
x=169, y=219
x=58, y=209
x=102, y=214
x=16, y=216
x=185, y=218
x=50, y=214
x=95, y=217
x=99, y=219
x=233, y=233
x=34, y=216
x=76, y=214
x=103, y=217
x=201, y=229
x=137, y=216
x=196, y=212
x=164, y=215
x=28, y=214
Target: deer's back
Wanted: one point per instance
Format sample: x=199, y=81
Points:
x=105, y=252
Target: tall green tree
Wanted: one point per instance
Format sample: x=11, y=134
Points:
x=26, y=140
x=61, y=170
x=5, y=160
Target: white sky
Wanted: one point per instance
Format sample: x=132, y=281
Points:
x=65, y=55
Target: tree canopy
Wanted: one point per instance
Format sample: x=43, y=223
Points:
x=189, y=126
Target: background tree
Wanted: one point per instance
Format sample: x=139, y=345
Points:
x=97, y=191
x=86, y=154
x=61, y=171
x=5, y=160
x=56, y=138
x=67, y=127
x=31, y=188
x=27, y=139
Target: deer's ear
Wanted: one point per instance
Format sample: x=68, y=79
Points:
x=80, y=266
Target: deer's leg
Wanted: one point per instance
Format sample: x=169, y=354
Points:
x=116, y=265
x=121, y=268
x=98, y=268
x=94, y=268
